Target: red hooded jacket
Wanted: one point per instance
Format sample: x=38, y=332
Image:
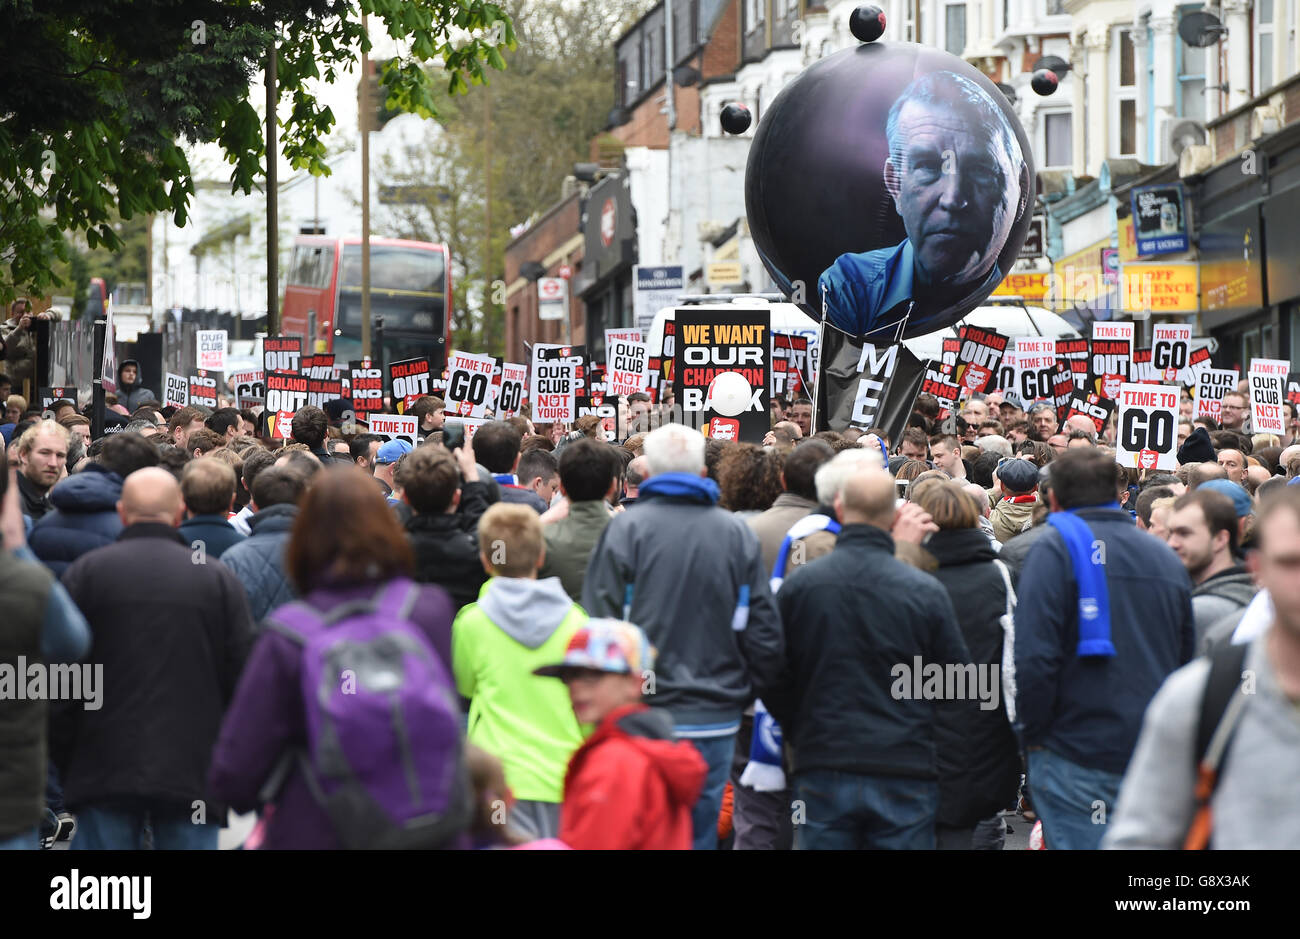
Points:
x=630, y=787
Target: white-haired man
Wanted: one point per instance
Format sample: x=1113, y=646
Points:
x=691, y=575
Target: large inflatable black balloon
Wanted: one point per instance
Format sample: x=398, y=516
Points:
x=890, y=188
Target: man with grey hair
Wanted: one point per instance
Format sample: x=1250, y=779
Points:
x=960, y=183
x=691, y=575
x=994, y=443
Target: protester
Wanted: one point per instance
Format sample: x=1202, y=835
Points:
x=208, y=487
x=85, y=513
x=797, y=478
x=354, y=580
x=863, y=760
x=447, y=499
x=1178, y=794
x=637, y=472
x=497, y=445
x=539, y=471
x=749, y=479
x=310, y=428
x=518, y=624
x=978, y=759
x=386, y=459
x=258, y=560
x=1017, y=482
x=1203, y=533
x=362, y=449
x=1104, y=616
x=186, y=421
x=171, y=656
x=629, y=786
x=589, y=481
x=716, y=640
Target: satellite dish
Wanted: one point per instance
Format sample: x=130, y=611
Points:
x=1008, y=91
x=1201, y=29
x=1054, y=63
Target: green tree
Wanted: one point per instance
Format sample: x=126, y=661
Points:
x=99, y=97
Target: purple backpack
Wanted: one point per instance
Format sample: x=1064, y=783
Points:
x=385, y=756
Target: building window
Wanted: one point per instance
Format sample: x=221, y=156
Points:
x=1190, y=93
x=1263, y=38
x=1058, y=142
x=955, y=28
x=1124, y=119
x=1055, y=7
x=754, y=10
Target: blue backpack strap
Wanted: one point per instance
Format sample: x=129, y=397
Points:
x=628, y=592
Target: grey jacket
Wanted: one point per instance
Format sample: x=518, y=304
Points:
x=1259, y=783
x=686, y=562
x=1220, y=596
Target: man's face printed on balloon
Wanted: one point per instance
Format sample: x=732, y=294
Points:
x=955, y=173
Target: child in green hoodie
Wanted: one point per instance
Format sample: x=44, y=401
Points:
x=519, y=624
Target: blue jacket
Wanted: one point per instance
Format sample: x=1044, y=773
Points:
x=84, y=518
x=214, y=531
x=258, y=561
x=1089, y=711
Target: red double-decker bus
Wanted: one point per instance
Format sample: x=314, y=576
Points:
x=410, y=287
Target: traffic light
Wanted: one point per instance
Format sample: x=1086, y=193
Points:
x=372, y=95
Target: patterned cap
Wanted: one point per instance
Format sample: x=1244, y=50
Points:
x=605, y=645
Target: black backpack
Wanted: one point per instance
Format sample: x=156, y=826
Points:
x=1222, y=704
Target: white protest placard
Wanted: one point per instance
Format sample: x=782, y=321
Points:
x=108, y=365
x=396, y=426
x=1147, y=436
x=469, y=381
x=625, y=367
x=1271, y=366
x=249, y=384
x=553, y=395
x=1211, y=385
x=1267, y=393
x=631, y=335
x=470, y=424
x=1034, y=369
x=176, y=391
x=1171, y=352
x=513, y=379
x=212, y=350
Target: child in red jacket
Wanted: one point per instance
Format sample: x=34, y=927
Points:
x=629, y=786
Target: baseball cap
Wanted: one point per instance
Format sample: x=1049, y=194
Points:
x=1240, y=497
x=393, y=451
x=605, y=645
x=1018, y=475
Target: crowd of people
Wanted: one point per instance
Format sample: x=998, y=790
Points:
x=541, y=637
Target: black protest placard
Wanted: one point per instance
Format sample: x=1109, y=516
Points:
x=1064, y=387
x=409, y=380
x=863, y=385
x=951, y=349
x=577, y=355
x=722, y=366
x=1293, y=388
x=604, y=407
x=286, y=391
x=1110, y=362
x=513, y=378
x=791, y=373
x=979, y=357
x=937, y=383
x=318, y=366
x=1075, y=352
x=203, y=389
x=659, y=366
x=49, y=395
x=366, y=385
x=282, y=354
x=1092, y=406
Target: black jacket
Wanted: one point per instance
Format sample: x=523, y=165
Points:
x=446, y=546
x=852, y=619
x=171, y=636
x=979, y=767
x=33, y=498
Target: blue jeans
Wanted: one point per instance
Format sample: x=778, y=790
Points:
x=1073, y=801
x=717, y=753
x=23, y=841
x=850, y=812
x=103, y=829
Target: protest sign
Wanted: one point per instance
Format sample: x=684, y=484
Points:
x=1148, y=426
x=285, y=391
x=1171, y=352
x=1092, y=406
x=408, y=380
x=248, y=384
x=1064, y=387
x=471, y=425
x=513, y=379
x=939, y=384
x=721, y=366
x=366, y=387
x=979, y=357
x=203, y=390
x=629, y=334
x=604, y=408
x=625, y=366
x=211, y=345
x=791, y=366
x=49, y=395
x=395, y=426
x=1211, y=385
x=1035, y=372
x=176, y=390
x=553, y=397
x=863, y=385
x=469, y=380
x=279, y=424
x=282, y=354
x=1111, y=352
x=951, y=348
x=1267, y=392
x=1075, y=352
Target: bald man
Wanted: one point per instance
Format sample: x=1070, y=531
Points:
x=171, y=629
x=863, y=740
